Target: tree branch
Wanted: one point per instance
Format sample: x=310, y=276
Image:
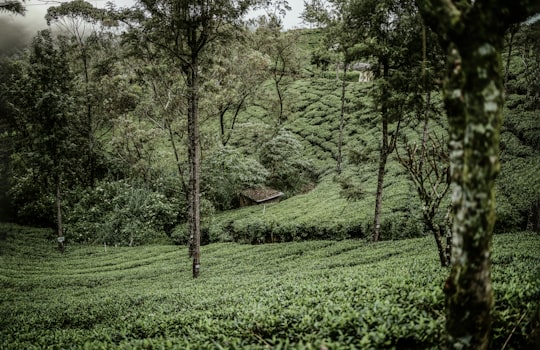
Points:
x=442, y=16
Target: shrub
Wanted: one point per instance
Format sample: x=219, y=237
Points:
x=283, y=156
x=226, y=173
x=33, y=205
x=180, y=234
x=121, y=214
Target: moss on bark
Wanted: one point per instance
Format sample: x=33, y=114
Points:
x=472, y=32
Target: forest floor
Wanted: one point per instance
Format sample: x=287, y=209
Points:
x=302, y=295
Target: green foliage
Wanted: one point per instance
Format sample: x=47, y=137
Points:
x=44, y=128
x=134, y=149
x=33, y=204
x=283, y=157
x=322, y=213
x=133, y=101
x=117, y=213
x=340, y=295
x=226, y=173
x=518, y=185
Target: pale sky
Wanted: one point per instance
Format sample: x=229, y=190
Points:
x=17, y=31
x=24, y=27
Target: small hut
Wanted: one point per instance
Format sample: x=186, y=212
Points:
x=259, y=195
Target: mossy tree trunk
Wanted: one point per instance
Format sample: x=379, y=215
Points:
x=472, y=32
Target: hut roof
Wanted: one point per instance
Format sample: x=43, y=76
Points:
x=261, y=194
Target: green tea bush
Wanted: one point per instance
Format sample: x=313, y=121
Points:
x=118, y=213
x=180, y=234
x=325, y=212
x=258, y=230
x=518, y=185
x=338, y=295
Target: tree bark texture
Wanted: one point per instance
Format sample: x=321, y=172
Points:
x=194, y=218
x=280, y=100
x=472, y=33
x=387, y=147
x=474, y=87
x=383, y=157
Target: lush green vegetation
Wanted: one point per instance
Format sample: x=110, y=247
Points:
x=124, y=184
x=306, y=295
x=147, y=129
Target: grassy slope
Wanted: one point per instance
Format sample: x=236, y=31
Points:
x=296, y=295
x=314, y=118
x=312, y=111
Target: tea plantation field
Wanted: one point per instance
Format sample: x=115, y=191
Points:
x=310, y=295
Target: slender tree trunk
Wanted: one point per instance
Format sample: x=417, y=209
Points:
x=235, y=117
x=222, y=124
x=437, y=234
x=225, y=138
x=379, y=195
x=427, y=90
x=177, y=158
x=59, y=223
x=383, y=154
x=425, y=130
x=341, y=120
x=280, y=100
x=513, y=31
x=194, y=166
x=89, y=120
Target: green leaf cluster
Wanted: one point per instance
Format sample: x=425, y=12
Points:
x=119, y=213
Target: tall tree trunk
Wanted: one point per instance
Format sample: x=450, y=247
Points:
x=280, y=100
x=194, y=165
x=513, y=30
x=379, y=195
x=89, y=121
x=427, y=91
x=59, y=221
x=473, y=96
x=477, y=79
x=385, y=150
x=341, y=119
x=177, y=158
